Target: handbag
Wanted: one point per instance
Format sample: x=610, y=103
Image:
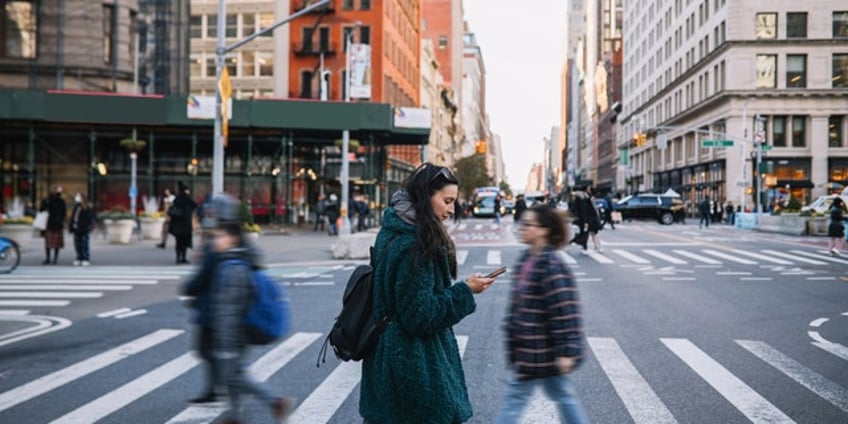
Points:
x=175, y=211
x=40, y=221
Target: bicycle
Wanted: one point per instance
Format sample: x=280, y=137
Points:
x=10, y=255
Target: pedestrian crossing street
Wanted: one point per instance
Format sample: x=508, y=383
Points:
x=639, y=393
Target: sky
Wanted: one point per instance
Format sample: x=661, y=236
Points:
x=522, y=45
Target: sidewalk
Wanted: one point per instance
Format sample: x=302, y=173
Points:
x=278, y=245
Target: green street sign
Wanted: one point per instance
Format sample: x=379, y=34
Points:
x=766, y=147
x=716, y=143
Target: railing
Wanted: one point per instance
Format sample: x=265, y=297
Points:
x=314, y=49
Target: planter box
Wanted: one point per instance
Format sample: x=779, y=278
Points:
x=151, y=228
x=16, y=232
x=818, y=226
x=120, y=231
x=783, y=224
x=252, y=237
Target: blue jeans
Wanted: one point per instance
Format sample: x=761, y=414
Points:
x=81, y=245
x=558, y=388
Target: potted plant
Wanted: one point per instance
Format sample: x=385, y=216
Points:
x=119, y=225
x=251, y=231
x=151, y=220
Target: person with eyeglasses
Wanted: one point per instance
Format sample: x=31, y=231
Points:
x=544, y=336
x=414, y=374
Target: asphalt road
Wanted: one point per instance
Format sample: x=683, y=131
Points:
x=682, y=325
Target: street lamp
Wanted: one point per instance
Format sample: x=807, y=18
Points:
x=344, y=229
x=742, y=152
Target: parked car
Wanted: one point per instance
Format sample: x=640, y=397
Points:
x=665, y=209
x=821, y=204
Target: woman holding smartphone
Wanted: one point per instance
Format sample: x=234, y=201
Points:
x=544, y=339
x=414, y=374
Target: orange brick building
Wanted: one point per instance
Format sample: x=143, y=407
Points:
x=391, y=27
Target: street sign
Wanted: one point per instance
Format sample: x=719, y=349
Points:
x=743, y=184
x=133, y=191
x=716, y=143
x=766, y=147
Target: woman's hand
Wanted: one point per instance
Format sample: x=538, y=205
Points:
x=478, y=283
x=566, y=364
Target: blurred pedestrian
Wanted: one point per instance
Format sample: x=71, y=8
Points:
x=729, y=217
x=81, y=225
x=836, y=229
x=320, y=211
x=704, y=212
x=608, y=208
x=581, y=208
x=54, y=235
x=182, y=222
x=231, y=291
x=362, y=212
x=519, y=208
x=498, y=209
x=167, y=201
x=414, y=374
x=544, y=338
x=594, y=221
x=333, y=215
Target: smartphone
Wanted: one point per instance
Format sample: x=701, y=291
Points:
x=496, y=272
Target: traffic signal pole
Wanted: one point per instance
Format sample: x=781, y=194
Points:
x=220, y=51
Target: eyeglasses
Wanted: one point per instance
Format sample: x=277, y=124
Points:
x=530, y=224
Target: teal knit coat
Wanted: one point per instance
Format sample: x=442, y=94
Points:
x=415, y=373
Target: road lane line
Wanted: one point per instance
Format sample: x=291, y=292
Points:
x=19, y=303
x=820, y=257
x=566, y=257
x=743, y=397
x=82, y=368
x=729, y=257
x=631, y=257
x=43, y=325
x=61, y=287
x=818, y=384
x=461, y=256
x=131, y=313
x=493, y=257
x=118, y=398
x=50, y=295
x=697, y=257
x=72, y=282
x=262, y=369
x=113, y=312
x=642, y=403
x=599, y=257
x=14, y=312
x=665, y=257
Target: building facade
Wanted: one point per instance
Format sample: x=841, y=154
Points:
x=744, y=101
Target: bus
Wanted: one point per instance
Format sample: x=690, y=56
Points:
x=484, y=201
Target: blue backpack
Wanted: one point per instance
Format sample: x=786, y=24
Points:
x=269, y=312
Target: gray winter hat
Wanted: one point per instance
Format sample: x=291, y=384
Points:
x=221, y=209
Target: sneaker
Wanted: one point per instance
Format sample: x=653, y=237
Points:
x=281, y=409
x=834, y=252
x=584, y=252
x=209, y=397
x=77, y=263
x=86, y=263
x=160, y=245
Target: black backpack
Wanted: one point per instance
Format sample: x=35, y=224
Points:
x=355, y=332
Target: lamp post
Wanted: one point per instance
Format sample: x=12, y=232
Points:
x=344, y=229
x=758, y=144
x=742, y=151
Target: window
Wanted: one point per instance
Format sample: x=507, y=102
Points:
x=231, y=26
x=796, y=25
x=347, y=4
x=324, y=39
x=796, y=70
x=346, y=36
x=266, y=20
x=306, y=84
x=108, y=30
x=195, y=65
x=195, y=24
x=18, y=29
x=834, y=130
x=840, y=24
x=799, y=131
x=766, y=70
x=266, y=63
x=248, y=24
x=364, y=35
x=232, y=66
x=766, y=25
x=212, y=26
x=248, y=63
x=778, y=131
x=307, y=38
x=443, y=41
x=364, y=4
x=840, y=70
x=210, y=66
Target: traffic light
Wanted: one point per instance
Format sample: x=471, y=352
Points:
x=639, y=139
x=480, y=147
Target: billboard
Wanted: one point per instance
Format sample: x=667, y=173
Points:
x=360, y=73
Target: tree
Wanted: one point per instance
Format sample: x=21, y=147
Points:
x=471, y=172
x=504, y=186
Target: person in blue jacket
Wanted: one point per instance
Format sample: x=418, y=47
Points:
x=414, y=374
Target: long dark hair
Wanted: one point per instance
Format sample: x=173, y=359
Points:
x=430, y=231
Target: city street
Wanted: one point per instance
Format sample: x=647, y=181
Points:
x=682, y=325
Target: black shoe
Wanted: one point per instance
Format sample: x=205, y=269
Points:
x=46, y=262
x=160, y=245
x=207, y=398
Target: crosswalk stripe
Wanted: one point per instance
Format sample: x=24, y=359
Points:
x=729, y=257
x=461, y=256
x=62, y=287
x=262, y=369
x=566, y=257
x=815, y=382
x=128, y=393
x=493, y=257
x=820, y=257
x=794, y=258
x=19, y=303
x=743, y=397
x=14, y=312
x=631, y=257
x=600, y=258
x=762, y=257
x=642, y=403
x=697, y=257
x=665, y=257
x=50, y=295
x=68, y=281
x=53, y=380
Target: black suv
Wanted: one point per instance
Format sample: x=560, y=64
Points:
x=665, y=209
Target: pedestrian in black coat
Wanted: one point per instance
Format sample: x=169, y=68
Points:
x=54, y=236
x=181, y=223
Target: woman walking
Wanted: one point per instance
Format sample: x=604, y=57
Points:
x=181, y=222
x=415, y=373
x=544, y=338
x=836, y=229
